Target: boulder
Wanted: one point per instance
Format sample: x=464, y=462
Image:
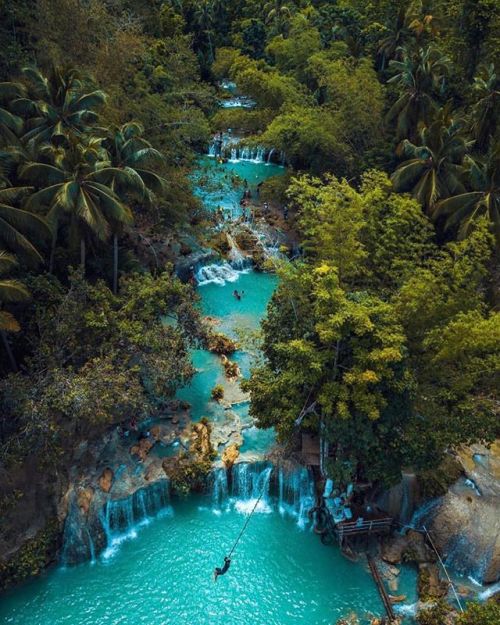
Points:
x=430, y=585
x=219, y=343
x=156, y=432
x=410, y=547
x=200, y=440
x=84, y=499
x=230, y=454
x=465, y=529
x=142, y=448
x=397, y=598
x=106, y=480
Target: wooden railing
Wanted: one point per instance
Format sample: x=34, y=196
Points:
x=366, y=527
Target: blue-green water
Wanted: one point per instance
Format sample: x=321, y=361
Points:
x=161, y=572
x=280, y=575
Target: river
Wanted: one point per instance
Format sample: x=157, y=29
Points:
x=159, y=571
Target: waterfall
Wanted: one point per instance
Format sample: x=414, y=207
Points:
x=77, y=542
x=234, y=155
x=217, y=273
x=236, y=258
x=296, y=493
x=120, y=518
x=219, y=488
x=289, y=492
x=269, y=156
x=121, y=515
x=399, y=501
x=249, y=482
x=258, y=155
x=422, y=514
x=212, y=150
x=491, y=591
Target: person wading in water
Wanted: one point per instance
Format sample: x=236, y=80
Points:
x=220, y=571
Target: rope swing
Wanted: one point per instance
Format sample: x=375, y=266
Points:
x=227, y=559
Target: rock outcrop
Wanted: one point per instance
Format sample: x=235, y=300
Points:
x=230, y=455
x=106, y=480
x=410, y=547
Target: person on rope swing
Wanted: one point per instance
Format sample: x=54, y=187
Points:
x=221, y=571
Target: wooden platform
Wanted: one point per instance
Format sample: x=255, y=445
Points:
x=371, y=526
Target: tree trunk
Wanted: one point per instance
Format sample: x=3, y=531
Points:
x=82, y=254
x=52, y=252
x=8, y=349
x=115, y=263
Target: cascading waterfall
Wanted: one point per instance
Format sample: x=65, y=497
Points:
x=121, y=517
x=228, y=147
x=422, y=515
x=296, y=494
x=220, y=273
x=290, y=492
x=236, y=258
x=466, y=558
x=269, y=156
x=78, y=544
x=493, y=590
x=104, y=527
x=219, y=487
x=216, y=274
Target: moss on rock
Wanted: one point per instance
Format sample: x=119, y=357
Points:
x=32, y=557
x=435, y=482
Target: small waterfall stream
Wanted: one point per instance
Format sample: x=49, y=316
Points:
x=107, y=524
x=229, y=147
x=121, y=517
x=291, y=493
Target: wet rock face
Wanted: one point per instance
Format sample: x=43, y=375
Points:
x=106, y=480
x=84, y=499
x=185, y=264
x=466, y=531
x=465, y=523
x=408, y=548
x=230, y=455
x=30, y=524
x=142, y=448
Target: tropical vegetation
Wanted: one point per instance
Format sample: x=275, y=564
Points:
x=383, y=337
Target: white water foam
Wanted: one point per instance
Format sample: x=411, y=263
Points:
x=218, y=274
x=491, y=591
x=406, y=609
x=245, y=506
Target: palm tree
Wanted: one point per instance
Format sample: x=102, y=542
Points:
x=203, y=18
x=11, y=125
x=58, y=104
x=18, y=227
x=129, y=173
x=418, y=76
x=434, y=166
x=483, y=198
x=486, y=111
x=10, y=291
x=394, y=41
x=73, y=187
x=278, y=14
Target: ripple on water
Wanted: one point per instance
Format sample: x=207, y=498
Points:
x=280, y=575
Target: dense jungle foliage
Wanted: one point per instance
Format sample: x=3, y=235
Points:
x=384, y=336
